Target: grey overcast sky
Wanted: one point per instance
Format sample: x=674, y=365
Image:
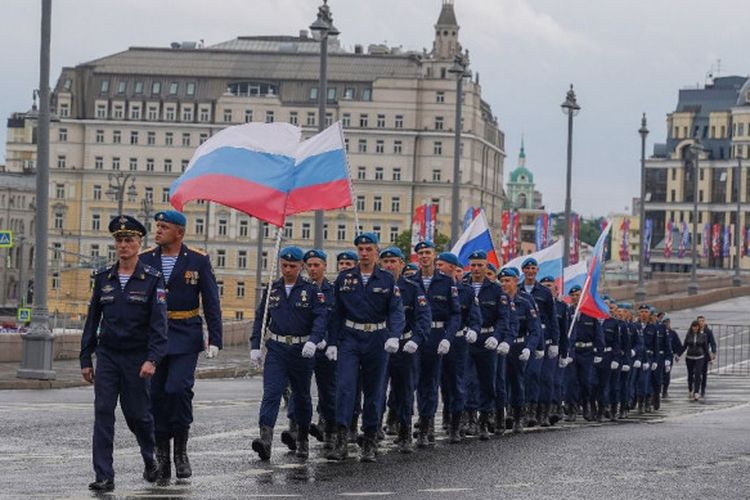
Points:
x=624, y=57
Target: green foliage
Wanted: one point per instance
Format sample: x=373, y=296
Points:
x=404, y=242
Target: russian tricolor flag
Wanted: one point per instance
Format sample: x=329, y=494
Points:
x=590, y=302
x=550, y=261
x=476, y=237
x=265, y=171
x=574, y=275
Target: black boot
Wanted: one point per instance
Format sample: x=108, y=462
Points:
x=330, y=436
x=103, y=485
x=150, y=470
x=431, y=430
x=423, y=426
x=369, y=447
x=484, y=433
x=164, y=458
x=648, y=404
x=181, y=462
x=500, y=421
x=571, y=412
x=600, y=413
x=446, y=418
x=262, y=445
x=341, y=449
x=657, y=401
x=405, y=443
x=303, y=442
x=455, y=430
x=289, y=436
x=531, y=415
x=639, y=403
x=391, y=423
x=353, y=430
x=556, y=414
x=544, y=415
x=471, y=426
x=508, y=420
x=613, y=412
x=587, y=415
x=316, y=430
x=517, y=419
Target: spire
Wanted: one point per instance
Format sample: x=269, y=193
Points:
x=446, y=44
x=447, y=16
x=522, y=155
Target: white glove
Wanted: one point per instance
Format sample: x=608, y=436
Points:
x=443, y=347
x=255, y=358
x=471, y=336
x=625, y=368
x=614, y=365
x=668, y=368
x=525, y=354
x=391, y=345
x=646, y=366
x=597, y=359
x=212, y=351
x=636, y=364
x=322, y=345
x=563, y=362
x=539, y=354
x=490, y=343
x=308, y=350
x=332, y=353
x=667, y=363
x=503, y=348
x=553, y=351
x=410, y=347
x=654, y=366
x=632, y=353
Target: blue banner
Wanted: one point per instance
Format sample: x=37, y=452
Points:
x=647, y=233
x=539, y=233
x=725, y=243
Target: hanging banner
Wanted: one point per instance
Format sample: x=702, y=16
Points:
x=575, y=227
x=706, y=239
x=469, y=216
x=625, y=241
x=648, y=231
x=539, y=233
x=684, y=240
x=516, y=235
x=716, y=240
x=668, y=240
x=747, y=241
x=726, y=241
x=505, y=235
x=423, y=225
x=549, y=229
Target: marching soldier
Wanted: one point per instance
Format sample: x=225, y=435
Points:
x=562, y=317
x=609, y=367
x=190, y=283
x=126, y=328
x=663, y=356
x=619, y=384
x=346, y=260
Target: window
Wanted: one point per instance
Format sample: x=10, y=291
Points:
x=221, y=258
x=190, y=89
x=111, y=255
x=104, y=87
x=61, y=161
x=152, y=113
x=115, y=163
x=288, y=230
x=377, y=204
x=443, y=72
x=266, y=230
x=346, y=144
x=99, y=136
x=376, y=230
x=313, y=93
x=59, y=191
x=135, y=112
x=367, y=94
x=363, y=120
x=396, y=174
x=378, y=173
x=269, y=117
x=332, y=94
x=349, y=93
x=173, y=86
x=167, y=165
x=168, y=138
x=133, y=164
x=97, y=192
x=242, y=259
x=96, y=222
x=204, y=114
x=94, y=251
x=310, y=119
x=264, y=259
x=227, y=116
x=138, y=88
x=397, y=147
x=325, y=231
x=148, y=193
x=56, y=251
x=149, y=164
x=150, y=138
x=380, y=123
x=395, y=204
x=199, y=226
x=55, y=280
x=133, y=137
x=222, y=227
x=362, y=146
x=379, y=146
x=361, y=173
x=346, y=120
x=329, y=119
x=673, y=195
x=305, y=230
x=165, y=195
x=99, y=163
x=440, y=97
x=293, y=118
x=116, y=137
x=156, y=88
x=438, y=123
x=187, y=114
x=186, y=139
x=393, y=234
x=184, y=165
x=64, y=110
x=244, y=226
x=361, y=203
x=203, y=138
x=437, y=148
x=399, y=121
x=220, y=287
x=341, y=232
x=118, y=112
x=122, y=87
x=436, y=175
x=240, y=289
x=59, y=220
x=170, y=113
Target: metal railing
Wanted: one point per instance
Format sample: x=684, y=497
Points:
x=732, y=350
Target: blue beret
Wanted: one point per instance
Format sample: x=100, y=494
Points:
x=347, y=255
x=366, y=238
x=509, y=272
x=315, y=253
x=125, y=225
x=171, y=216
x=492, y=268
x=423, y=244
x=411, y=266
x=478, y=255
x=644, y=307
x=531, y=261
x=392, y=252
x=547, y=279
x=625, y=305
x=448, y=257
x=291, y=254
x=666, y=318
x=575, y=288
x=652, y=310
x=607, y=298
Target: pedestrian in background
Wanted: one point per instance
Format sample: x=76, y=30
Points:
x=711, y=356
x=696, y=350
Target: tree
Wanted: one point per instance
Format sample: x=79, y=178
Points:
x=404, y=242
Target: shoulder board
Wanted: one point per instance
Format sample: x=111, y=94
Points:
x=197, y=250
x=149, y=250
x=101, y=270
x=150, y=270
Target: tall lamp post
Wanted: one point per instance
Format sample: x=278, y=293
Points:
x=695, y=150
x=36, y=362
x=640, y=292
x=117, y=185
x=737, y=280
x=323, y=25
x=571, y=108
x=147, y=210
x=460, y=71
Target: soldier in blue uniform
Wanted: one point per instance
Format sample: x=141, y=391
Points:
x=618, y=381
x=588, y=343
x=190, y=283
x=540, y=372
x=676, y=345
x=525, y=333
x=562, y=317
x=298, y=317
x=647, y=332
x=368, y=321
x=126, y=328
x=410, y=269
x=609, y=368
x=442, y=296
x=346, y=260
x=402, y=365
x=663, y=357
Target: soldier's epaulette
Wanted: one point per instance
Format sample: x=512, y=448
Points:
x=150, y=270
x=149, y=250
x=197, y=250
x=307, y=279
x=101, y=270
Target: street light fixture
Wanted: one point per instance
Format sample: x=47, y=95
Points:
x=460, y=71
x=571, y=108
x=117, y=186
x=695, y=150
x=323, y=25
x=640, y=292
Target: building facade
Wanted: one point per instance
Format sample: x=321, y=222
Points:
x=526, y=202
x=128, y=124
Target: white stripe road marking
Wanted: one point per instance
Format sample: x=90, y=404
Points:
x=445, y=490
x=367, y=494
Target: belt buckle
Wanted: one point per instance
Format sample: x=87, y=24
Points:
x=288, y=339
x=368, y=327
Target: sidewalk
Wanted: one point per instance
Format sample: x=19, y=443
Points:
x=232, y=362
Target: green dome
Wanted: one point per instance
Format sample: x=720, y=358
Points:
x=522, y=175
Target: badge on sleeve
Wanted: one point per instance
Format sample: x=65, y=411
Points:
x=321, y=297
x=161, y=296
x=396, y=291
x=454, y=291
x=421, y=300
x=532, y=311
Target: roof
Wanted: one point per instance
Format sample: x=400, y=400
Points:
x=288, y=44
x=447, y=15
x=18, y=182
x=521, y=171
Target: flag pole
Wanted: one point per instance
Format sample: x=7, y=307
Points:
x=271, y=276
x=349, y=180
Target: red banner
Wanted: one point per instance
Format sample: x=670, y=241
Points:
x=716, y=240
x=625, y=243
x=668, y=241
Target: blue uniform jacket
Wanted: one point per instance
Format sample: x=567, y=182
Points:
x=636, y=340
x=417, y=312
x=301, y=314
x=545, y=304
x=527, y=320
x=494, y=305
x=562, y=312
x=588, y=329
x=649, y=341
x=663, y=345
x=625, y=343
x=443, y=298
x=330, y=300
x=471, y=313
x=379, y=301
x=132, y=319
x=191, y=284
x=611, y=332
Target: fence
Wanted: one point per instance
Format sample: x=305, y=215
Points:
x=732, y=350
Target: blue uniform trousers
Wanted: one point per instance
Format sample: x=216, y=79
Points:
x=643, y=384
x=117, y=376
x=284, y=366
x=429, y=379
x=402, y=374
x=547, y=379
x=579, y=377
x=558, y=394
x=471, y=384
x=325, y=380
x=602, y=375
x=172, y=394
x=453, y=380
x=485, y=363
x=515, y=376
x=614, y=386
x=360, y=351
x=532, y=378
x=501, y=382
x=657, y=378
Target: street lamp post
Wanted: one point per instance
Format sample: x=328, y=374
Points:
x=147, y=210
x=323, y=25
x=571, y=108
x=737, y=280
x=117, y=184
x=460, y=71
x=36, y=362
x=695, y=150
x=640, y=292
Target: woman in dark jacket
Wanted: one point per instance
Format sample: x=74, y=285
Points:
x=695, y=349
